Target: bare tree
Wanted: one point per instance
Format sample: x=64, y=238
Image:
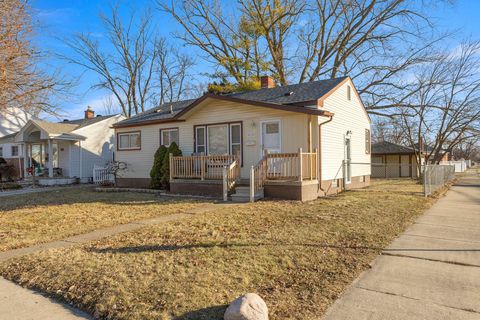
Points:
x=23, y=83
x=373, y=41
x=127, y=70
x=231, y=43
x=141, y=70
x=172, y=69
x=444, y=108
x=467, y=149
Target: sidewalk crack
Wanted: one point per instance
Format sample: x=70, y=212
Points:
x=417, y=299
x=430, y=259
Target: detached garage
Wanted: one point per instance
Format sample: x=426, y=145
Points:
x=390, y=160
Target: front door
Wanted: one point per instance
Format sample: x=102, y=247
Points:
x=271, y=141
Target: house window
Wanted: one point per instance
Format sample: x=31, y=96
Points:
x=167, y=136
x=14, y=151
x=236, y=139
x=349, y=93
x=368, y=144
x=200, y=140
x=129, y=140
x=1, y=151
x=219, y=139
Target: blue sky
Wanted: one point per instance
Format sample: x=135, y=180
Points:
x=61, y=19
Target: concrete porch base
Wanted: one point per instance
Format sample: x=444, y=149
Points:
x=60, y=181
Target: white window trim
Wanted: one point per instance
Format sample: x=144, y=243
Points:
x=129, y=134
x=280, y=130
x=18, y=151
x=204, y=145
x=214, y=126
x=231, y=144
x=168, y=130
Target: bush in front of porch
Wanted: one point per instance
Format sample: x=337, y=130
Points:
x=160, y=173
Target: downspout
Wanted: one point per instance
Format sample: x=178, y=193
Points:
x=320, y=153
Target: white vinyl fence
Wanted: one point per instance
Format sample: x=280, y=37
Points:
x=102, y=175
x=436, y=176
x=460, y=165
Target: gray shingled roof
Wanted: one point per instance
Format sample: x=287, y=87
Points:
x=55, y=128
x=159, y=113
x=385, y=147
x=8, y=138
x=302, y=92
x=86, y=122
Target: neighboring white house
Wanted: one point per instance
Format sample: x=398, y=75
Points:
x=293, y=139
x=11, y=121
x=64, y=152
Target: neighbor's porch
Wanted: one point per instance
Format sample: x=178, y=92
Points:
x=51, y=161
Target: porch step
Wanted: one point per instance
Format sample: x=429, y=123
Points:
x=242, y=194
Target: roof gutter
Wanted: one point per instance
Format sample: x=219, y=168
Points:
x=320, y=153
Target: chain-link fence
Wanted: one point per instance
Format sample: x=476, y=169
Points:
x=436, y=176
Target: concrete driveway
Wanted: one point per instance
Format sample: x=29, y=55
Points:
x=432, y=271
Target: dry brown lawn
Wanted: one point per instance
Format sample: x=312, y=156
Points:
x=298, y=256
x=41, y=217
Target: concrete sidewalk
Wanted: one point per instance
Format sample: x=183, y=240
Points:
x=431, y=272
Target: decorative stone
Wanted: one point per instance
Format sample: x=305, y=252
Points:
x=247, y=307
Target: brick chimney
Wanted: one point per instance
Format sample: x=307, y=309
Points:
x=89, y=113
x=267, y=82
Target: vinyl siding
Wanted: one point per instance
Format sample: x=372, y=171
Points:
x=348, y=115
x=293, y=133
x=12, y=120
x=97, y=149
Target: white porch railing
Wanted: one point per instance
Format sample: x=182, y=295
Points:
x=101, y=175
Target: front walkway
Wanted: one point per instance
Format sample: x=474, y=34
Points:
x=431, y=272
x=17, y=303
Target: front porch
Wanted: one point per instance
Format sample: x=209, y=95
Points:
x=277, y=175
x=50, y=158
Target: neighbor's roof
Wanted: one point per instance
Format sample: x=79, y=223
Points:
x=53, y=127
x=80, y=123
x=385, y=147
x=288, y=98
x=8, y=138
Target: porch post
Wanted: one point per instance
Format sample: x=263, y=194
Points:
x=309, y=134
x=50, y=158
x=25, y=158
x=300, y=176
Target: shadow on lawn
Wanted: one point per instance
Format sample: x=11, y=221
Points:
x=153, y=248
x=210, y=313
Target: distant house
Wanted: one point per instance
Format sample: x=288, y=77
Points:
x=390, y=160
x=11, y=121
x=61, y=153
x=285, y=142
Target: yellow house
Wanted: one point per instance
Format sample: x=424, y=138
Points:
x=294, y=142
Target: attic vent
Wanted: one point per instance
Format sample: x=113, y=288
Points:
x=287, y=94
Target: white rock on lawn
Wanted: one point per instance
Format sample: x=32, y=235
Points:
x=247, y=307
